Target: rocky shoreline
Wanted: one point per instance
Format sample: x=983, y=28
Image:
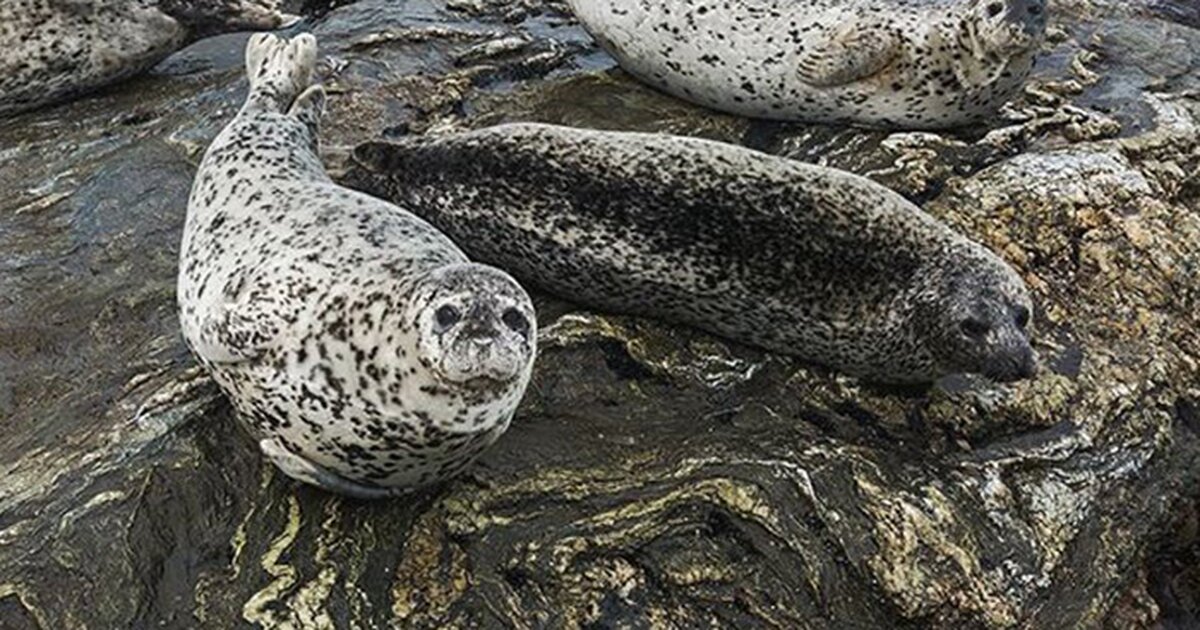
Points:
x=654, y=477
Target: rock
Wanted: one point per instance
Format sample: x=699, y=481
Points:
x=655, y=476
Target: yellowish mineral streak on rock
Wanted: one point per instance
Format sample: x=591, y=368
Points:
x=257, y=610
x=643, y=520
x=309, y=607
x=8, y=589
x=360, y=543
x=917, y=535
x=431, y=576
x=655, y=345
x=237, y=544
x=470, y=512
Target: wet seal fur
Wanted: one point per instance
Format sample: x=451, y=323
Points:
x=359, y=344
x=54, y=50
x=794, y=258
x=911, y=64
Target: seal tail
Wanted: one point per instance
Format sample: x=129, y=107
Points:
x=279, y=70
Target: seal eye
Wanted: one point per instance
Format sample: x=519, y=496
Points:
x=447, y=316
x=1022, y=317
x=974, y=328
x=994, y=9
x=516, y=321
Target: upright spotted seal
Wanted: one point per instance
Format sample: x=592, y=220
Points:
x=53, y=50
x=913, y=64
x=799, y=259
x=363, y=349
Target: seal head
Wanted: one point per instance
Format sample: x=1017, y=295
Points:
x=474, y=325
x=1006, y=27
x=981, y=325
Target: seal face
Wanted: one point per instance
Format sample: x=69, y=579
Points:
x=799, y=259
x=52, y=50
x=360, y=345
x=914, y=64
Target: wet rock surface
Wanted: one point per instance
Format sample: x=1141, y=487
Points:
x=655, y=476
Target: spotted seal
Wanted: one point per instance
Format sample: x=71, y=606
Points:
x=913, y=64
x=358, y=343
x=53, y=50
x=795, y=258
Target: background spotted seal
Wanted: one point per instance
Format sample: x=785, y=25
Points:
x=52, y=50
x=897, y=63
x=355, y=340
x=795, y=258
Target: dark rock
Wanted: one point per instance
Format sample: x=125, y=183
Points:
x=655, y=477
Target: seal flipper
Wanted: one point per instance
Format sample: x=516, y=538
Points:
x=279, y=70
x=301, y=469
x=242, y=326
x=847, y=54
x=233, y=335
x=308, y=109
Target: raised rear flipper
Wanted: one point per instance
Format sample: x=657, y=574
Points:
x=279, y=70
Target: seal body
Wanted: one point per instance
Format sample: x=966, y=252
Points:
x=52, y=50
x=362, y=348
x=914, y=64
x=794, y=258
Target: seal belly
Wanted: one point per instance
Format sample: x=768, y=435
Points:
x=883, y=63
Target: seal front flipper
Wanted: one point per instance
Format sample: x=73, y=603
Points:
x=239, y=329
x=301, y=469
x=849, y=53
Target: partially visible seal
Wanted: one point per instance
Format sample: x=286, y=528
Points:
x=913, y=64
x=53, y=50
x=363, y=349
x=799, y=259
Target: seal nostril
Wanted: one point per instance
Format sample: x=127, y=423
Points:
x=1035, y=9
x=975, y=328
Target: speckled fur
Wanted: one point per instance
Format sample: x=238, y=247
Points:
x=325, y=314
x=799, y=259
x=52, y=50
x=917, y=64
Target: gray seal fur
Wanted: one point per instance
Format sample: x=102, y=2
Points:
x=912, y=64
x=359, y=345
x=794, y=258
x=53, y=50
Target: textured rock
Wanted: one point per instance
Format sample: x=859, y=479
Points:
x=655, y=477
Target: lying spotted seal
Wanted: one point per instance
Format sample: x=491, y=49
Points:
x=919, y=64
x=362, y=347
x=795, y=258
x=52, y=50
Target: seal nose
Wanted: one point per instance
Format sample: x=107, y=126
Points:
x=1014, y=364
x=1023, y=364
x=1028, y=367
